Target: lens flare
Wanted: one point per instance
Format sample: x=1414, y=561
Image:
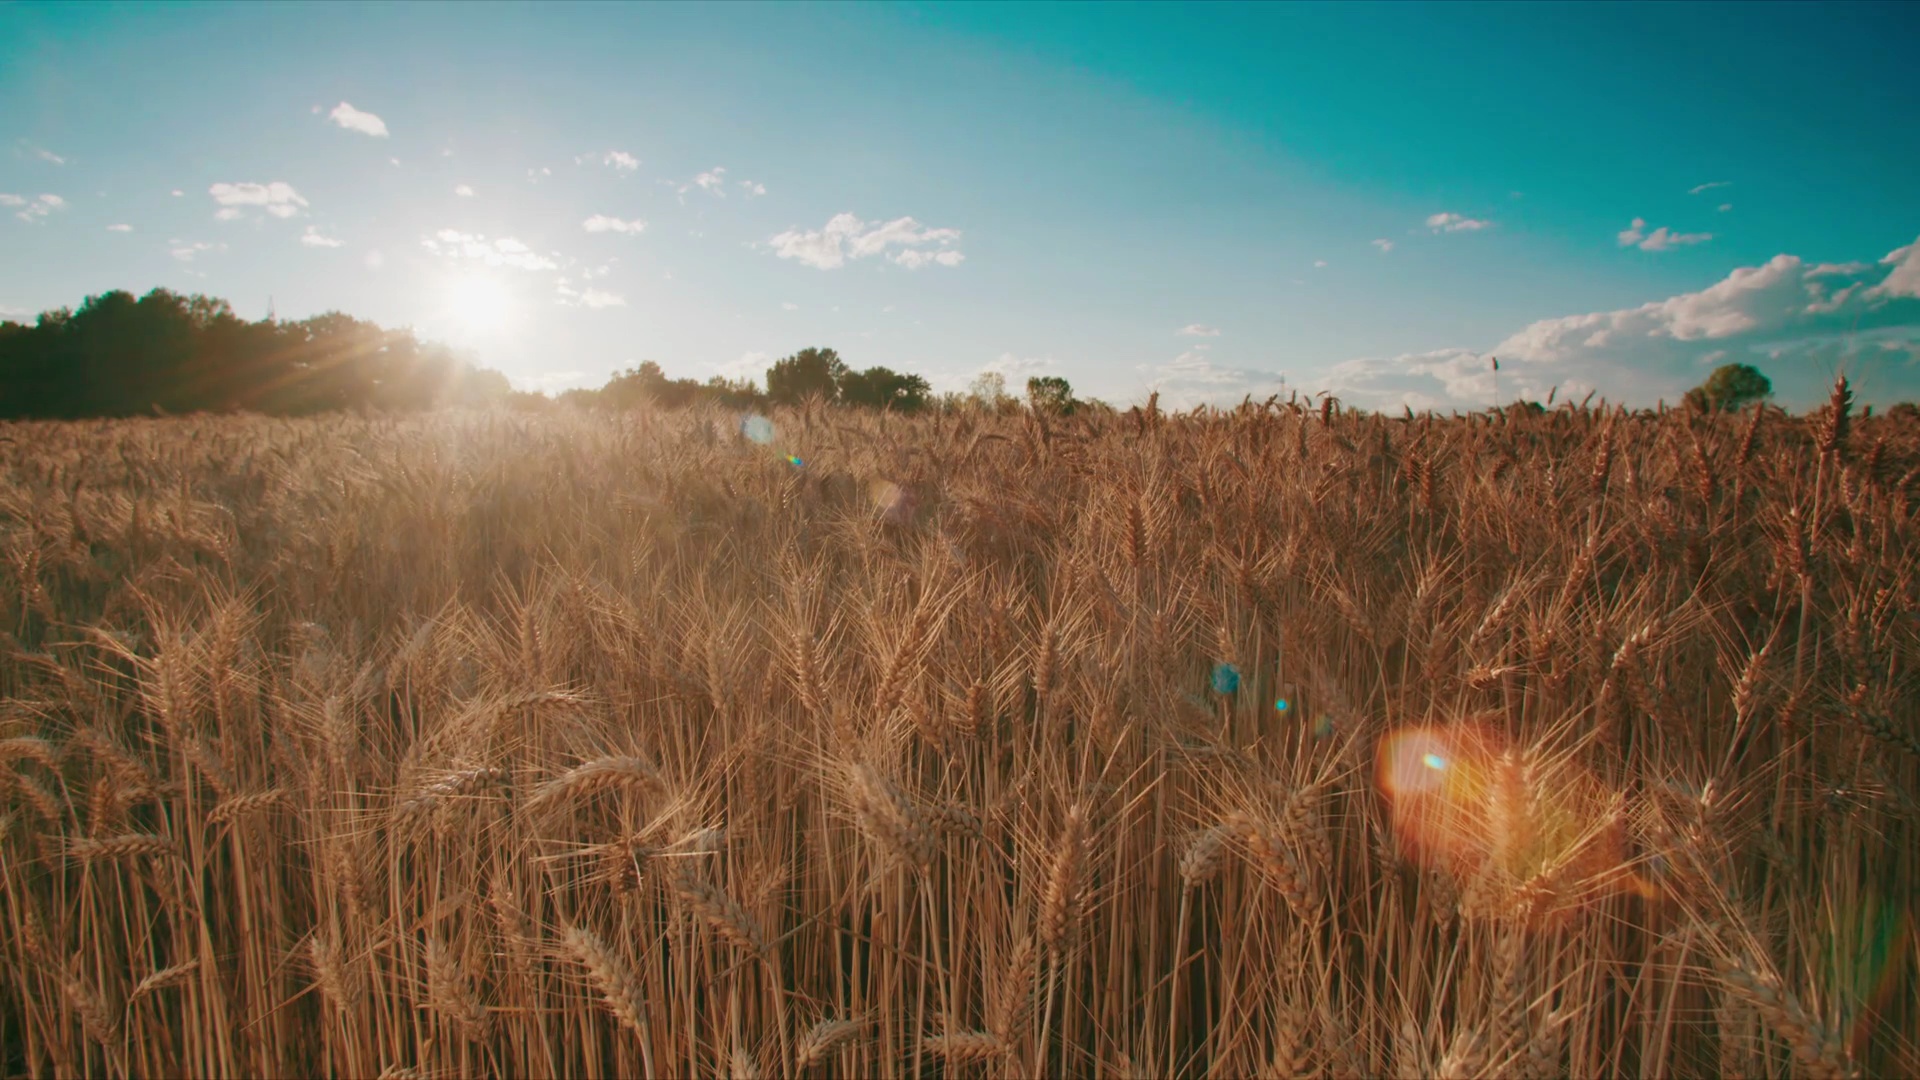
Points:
x=894, y=504
x=757, y=429
x=1226, y=679
x=794, y=461
x=1527, y=834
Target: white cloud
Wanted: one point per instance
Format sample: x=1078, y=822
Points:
x=750, y=366
x=1797, y=321
x=34, y=209
x=592, y=298
x=1724, y=207
x=600, y=223
x=312, y=238
x=185, y=251
x=1199, y=330
x=277, y=198
x=1192, y=378
x=1698, y=188
x=47, y=155
x=789, y=307
x=504, y=251
x=1319, y=264
x=177, y=193
x=753, y=188
x=914, y=258
x=1016, y=368
x=463, y=191
x=901, y=232
x=1451, y=222
x=1904, y=279
x=1659, y=239
x=353, y=119
x=620, y=161
x=847, y=237
x=714, y=180
x=119, y=228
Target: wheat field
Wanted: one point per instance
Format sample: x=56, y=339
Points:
x=1277, y=741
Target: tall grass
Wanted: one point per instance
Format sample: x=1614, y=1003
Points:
x=566, y=745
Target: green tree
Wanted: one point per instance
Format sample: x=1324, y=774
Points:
x=989, y=391
x=1730, y=388
x=884, y=388
x=1051, y=393
x=804, y=374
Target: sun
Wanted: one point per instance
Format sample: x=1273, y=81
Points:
x=479, y=305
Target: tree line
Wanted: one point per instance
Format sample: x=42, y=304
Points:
x=119, y=355
x=816, y=374
x=167, y=353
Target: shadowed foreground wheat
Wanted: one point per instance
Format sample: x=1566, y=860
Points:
x=1271, y=742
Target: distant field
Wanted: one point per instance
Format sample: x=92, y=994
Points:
x=1262, y=743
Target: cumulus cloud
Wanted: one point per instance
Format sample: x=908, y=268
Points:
x=503, y=251
x=1193, y=378
x=1903, y=280
x=1660, y=239
x=353, y=119
x=1451, y=222
x=36, y=209
x=119, y=228
x=463, y=190
x=753, y=188
x=1793, y=319
x=1016, y=369
x=591, y=298
x=277, y=198
x=185, y=251
x=1383, y=245
x=914, y=258
x=750, y=366
x=1198, y=330
x=1709, y=186
x=600, y=223
x=618, y=160
x=713, y=180
x=313, y=238
x=847, y=237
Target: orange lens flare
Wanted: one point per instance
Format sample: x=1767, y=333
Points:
x=1524, y=834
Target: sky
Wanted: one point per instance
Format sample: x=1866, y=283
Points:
x=1204, y=201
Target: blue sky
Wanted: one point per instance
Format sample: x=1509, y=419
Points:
x=1208, y=201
